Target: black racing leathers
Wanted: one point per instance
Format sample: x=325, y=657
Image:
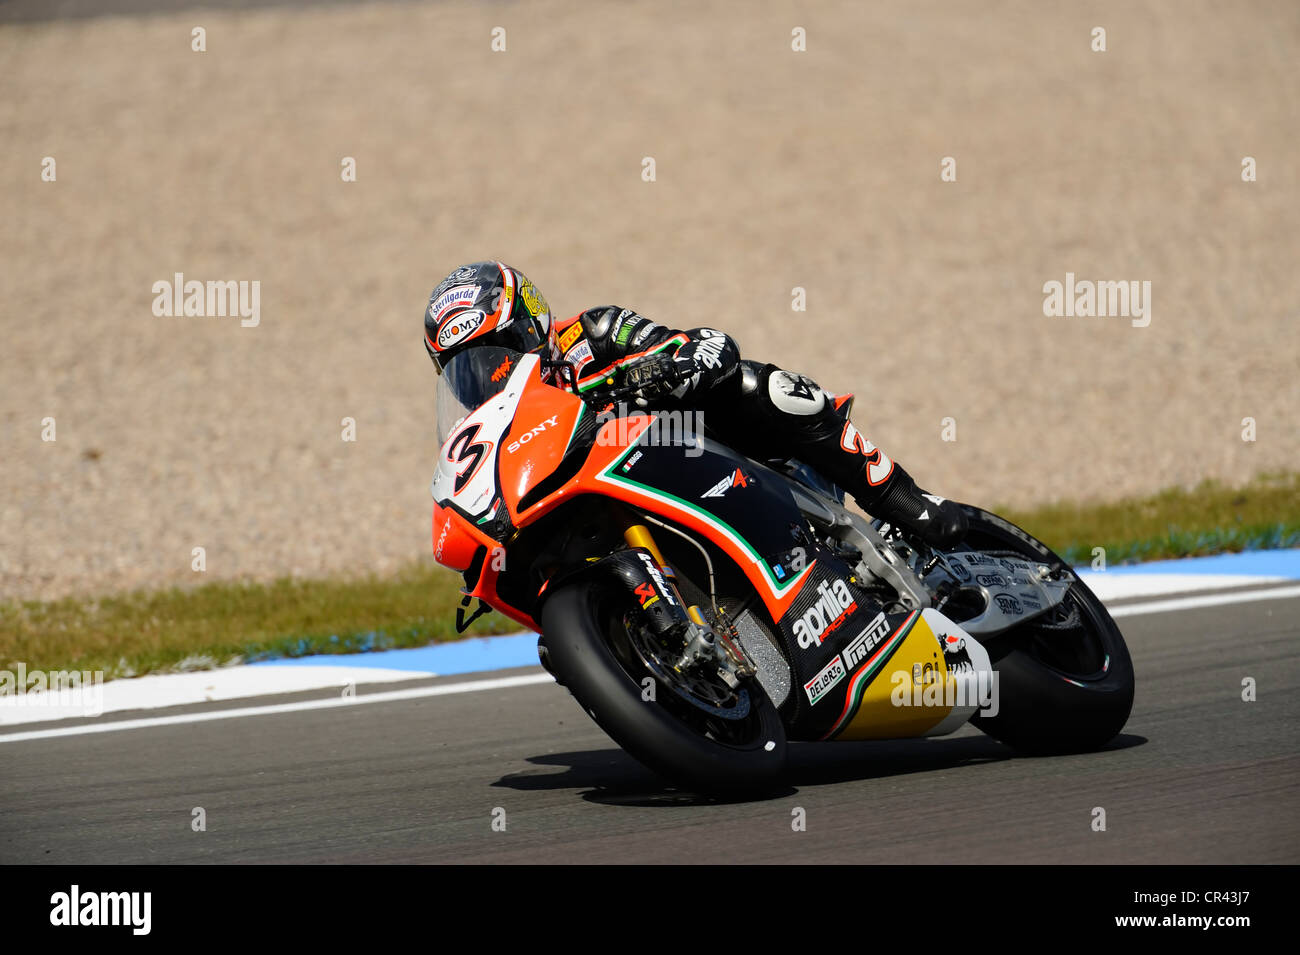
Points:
x=760, y=410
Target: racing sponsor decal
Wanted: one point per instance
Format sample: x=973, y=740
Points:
x=533, y=299
x=735, y=479
x=866, y=641
x=955, y=655
x=867, y=672
x=820, y=685
x=647, y=594
x=503, y=302
x=834, y=604
x=461, y=295
x=502, y=370
x=580, y=355
x=646, y=331
x=657, y=577
x=460, y=326
x=795, y=394
x=958, y=568
x=459, y=277
x=531, y=433
x=708, y=350
x=442, y=539
x=1008, y=604
x=623, y=329
x=990, y=580
x=631, y=462
x=570, y=335
x=956, y=662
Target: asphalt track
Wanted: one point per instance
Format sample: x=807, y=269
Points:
x=1199, y=776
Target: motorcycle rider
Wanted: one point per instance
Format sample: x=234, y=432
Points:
x=758, y=409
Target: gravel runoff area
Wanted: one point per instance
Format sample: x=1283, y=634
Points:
x=774, y=169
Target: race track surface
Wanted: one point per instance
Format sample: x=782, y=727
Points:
x=1198, y=776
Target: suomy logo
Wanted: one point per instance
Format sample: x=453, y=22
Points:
x=531, y=433
x=834, y=603
x=460, y=326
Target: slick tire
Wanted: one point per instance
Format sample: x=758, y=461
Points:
x=1058, y=692
x=581, y=655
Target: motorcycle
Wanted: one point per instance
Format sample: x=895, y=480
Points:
x=706, y=608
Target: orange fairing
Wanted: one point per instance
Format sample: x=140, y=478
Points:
x=612, y=441
x=614, y=437
x=455, y=543
x=544, y=423
x=455, y=539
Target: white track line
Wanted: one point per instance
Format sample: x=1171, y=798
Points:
x=1209, y=600
x=502, y=683
x=333, y=702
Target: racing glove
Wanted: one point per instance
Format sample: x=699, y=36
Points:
x=651, y=379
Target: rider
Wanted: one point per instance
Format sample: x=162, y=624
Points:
x=759, y=410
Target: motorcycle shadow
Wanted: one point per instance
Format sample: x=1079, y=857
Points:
x=611, y=777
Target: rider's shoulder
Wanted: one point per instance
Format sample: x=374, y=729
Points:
x=617, y=325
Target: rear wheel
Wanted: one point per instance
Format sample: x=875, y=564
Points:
x=703, y=736
x=1065, y=679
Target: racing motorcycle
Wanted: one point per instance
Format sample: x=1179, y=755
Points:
x=706, y=608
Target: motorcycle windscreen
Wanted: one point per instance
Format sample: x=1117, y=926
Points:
x=470, y=380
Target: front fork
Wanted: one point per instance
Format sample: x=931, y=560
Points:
x=703, y=642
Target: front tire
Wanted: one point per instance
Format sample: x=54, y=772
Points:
x=1065, y=680
x=581, y=640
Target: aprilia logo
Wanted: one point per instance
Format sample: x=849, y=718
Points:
x=708, y=350
x=528, y=435
x=735, y=479
x=834, y=603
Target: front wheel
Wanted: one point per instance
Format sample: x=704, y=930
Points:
x=1065, y=679
x=713, y=749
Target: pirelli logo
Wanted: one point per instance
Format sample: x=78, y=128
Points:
x=570, y=335
x=866, y=641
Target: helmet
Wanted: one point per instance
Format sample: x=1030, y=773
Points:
x=487, y=303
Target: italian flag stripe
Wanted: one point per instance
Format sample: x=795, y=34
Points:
x=591, y=381
x=861, y=679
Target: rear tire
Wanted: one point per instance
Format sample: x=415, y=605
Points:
x=580, y=652
x=1060, y=689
